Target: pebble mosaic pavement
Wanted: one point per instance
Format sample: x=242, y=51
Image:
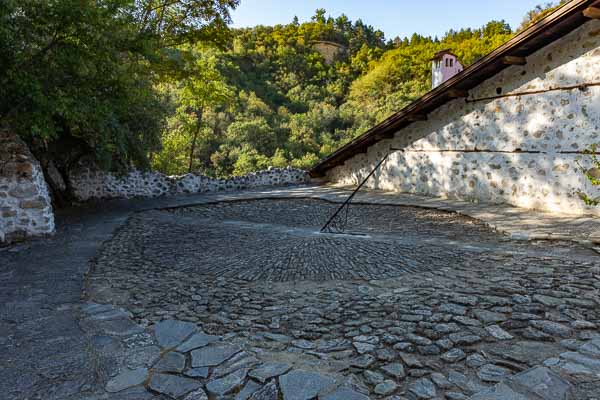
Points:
x=246, y=300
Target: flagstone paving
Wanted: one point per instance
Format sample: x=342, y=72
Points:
x=239, y=297
x=416, y=304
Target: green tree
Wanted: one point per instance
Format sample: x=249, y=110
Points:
x=202, y=88
x=79, y=77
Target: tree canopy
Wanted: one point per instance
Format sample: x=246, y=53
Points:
x=167, y=84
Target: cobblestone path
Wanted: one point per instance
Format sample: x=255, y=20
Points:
x=423, y=305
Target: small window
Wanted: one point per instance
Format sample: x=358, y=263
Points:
x=499, y=91
x=447, y=62
x=451, y=62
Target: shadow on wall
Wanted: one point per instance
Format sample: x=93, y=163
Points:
x=518, y=150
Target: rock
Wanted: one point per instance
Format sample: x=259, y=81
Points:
x=499, y=392
x=545, y=383
x=213, y=355
x=363, y=348
x=578, y=358
x=277, y=338
x=411, y=361
x=466, y=384
x=201, y=372
x=591, y=348
x=386, y=388
x=199, y=394
x=267, y=392
x=248, y=390
x=453, y=309
x=373, y=377
x=493, y=373
x=303, y=385
x=440, y=380
x=456, y=396
x=171, y=362
x=304, y=344
x=395, y=370
x=553, y=328
x=171, y=333
x=143, y=357
x=461, y=338
x=453, y=355
x=269, y=370
x=498, y=333
x=344, y=394
x=548, y=300
x=196, y=341
x=364, y=361
x=423, y=389
x=127, y=379
x=227, y=384
x=476, y=360
x=172, y=385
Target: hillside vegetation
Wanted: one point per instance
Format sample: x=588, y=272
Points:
x=168, y=85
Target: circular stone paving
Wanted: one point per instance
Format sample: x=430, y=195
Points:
x=423, y=304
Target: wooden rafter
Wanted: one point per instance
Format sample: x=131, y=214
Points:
x=514, y=60
x=592, y=12
x=457, y=93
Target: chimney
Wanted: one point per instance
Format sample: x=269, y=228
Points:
x=445, y=66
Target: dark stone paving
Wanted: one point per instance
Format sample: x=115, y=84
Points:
x=426, y=305
x=245, y=301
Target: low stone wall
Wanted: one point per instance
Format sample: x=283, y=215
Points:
x=25, y=205
x=90, y=183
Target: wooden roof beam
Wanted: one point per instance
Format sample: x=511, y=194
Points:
x=457, y=93
x=416, y=117
x=592, y=12
x=514, y=60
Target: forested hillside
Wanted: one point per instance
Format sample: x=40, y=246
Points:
x=168, y=85
x=271, y=99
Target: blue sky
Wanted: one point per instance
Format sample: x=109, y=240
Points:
x=393, y=17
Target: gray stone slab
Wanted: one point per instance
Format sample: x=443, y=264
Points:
x=196, y=341
x=171, y=362
x=269, y=370
x=500, y=392
x=127, y=379
x=267, y=392
x=344, y=394
x=544, y=383
x=198, y=394
x=227, y=384
x=172, y=385
x=304, y=385
x=171, y=333
x=423, y=389
x=248, y=390
x=493, y=373
x=213, y=355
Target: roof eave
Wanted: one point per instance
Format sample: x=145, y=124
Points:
x=537, y=36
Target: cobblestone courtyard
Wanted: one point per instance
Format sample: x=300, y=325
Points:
x=424, y=304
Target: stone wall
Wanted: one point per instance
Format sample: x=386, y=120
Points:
x=519, y=149
x=90, y=183
x=25, y=205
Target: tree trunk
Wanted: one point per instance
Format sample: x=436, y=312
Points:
x=195, y=139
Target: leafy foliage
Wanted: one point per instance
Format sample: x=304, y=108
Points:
x=592, y=174
x=288, y=105
x=81, y=75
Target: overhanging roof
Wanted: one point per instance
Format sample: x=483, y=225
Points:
x=559, y=23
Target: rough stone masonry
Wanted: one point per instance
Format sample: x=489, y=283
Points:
x=501, y=144
x=25, y=206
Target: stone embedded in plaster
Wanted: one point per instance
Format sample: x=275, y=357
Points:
x=25, y=205
x=527, y=141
